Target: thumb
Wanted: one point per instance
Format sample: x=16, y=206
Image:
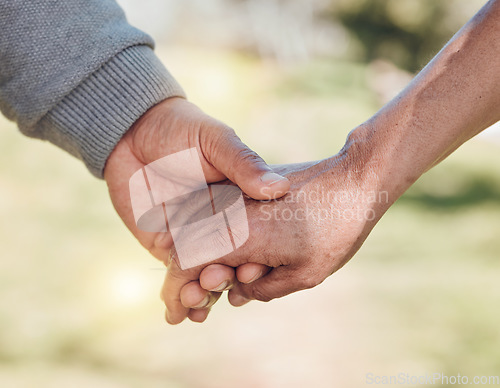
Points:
x=279, y=282
x=241, y=165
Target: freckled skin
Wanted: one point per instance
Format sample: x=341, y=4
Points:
x=453, y=98
x=301, y=252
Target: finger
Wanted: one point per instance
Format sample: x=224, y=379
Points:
x=280, y=281
x=163, y=242
x=175, y=280
x=250, y=272
x=235, y=297
x=198, y=316
x=217, y=277
x=245, y=168
x=195, y=297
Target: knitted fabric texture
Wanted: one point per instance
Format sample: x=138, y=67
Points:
x=75, y=73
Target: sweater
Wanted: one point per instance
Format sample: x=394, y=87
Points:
x=75, y=73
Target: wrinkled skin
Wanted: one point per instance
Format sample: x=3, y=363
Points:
x=175, y=125
x=299, y=249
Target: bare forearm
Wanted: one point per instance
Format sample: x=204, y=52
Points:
x=454, y=97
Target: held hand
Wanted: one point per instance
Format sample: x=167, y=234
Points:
x=407, y=137
x=175, y=125
x=303, y=237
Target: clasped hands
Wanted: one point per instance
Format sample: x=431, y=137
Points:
x=305, y=220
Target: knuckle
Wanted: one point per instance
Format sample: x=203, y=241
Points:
x=258, y=294
x=245, y=155
x=309, y=280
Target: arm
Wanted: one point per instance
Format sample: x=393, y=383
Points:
x=454, y=97
x=77, y=74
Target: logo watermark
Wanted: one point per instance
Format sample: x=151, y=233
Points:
x=437, y=378
x=206, y=221
x=318, y=206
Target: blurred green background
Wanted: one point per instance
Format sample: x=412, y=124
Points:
x=79, y=298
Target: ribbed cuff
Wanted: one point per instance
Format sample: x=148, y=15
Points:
x=90, y=121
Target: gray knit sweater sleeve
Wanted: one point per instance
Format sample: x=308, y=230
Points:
x=75, y=73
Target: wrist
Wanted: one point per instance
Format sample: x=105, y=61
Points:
x=375, y=160
x=90, y=121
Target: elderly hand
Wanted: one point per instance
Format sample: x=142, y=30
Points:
x=306, y=237
x=299, y=239
x=176, y=125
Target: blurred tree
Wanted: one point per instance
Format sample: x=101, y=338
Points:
x=405, y=32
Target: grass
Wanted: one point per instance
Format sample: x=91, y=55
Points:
x=79, y=297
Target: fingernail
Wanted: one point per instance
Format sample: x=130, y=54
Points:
x=203, y=303
x=167, y=316
x=221, y=287
x=255, y=277
x=270, y=178
x=239, y=300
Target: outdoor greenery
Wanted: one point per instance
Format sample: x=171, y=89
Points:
x=79, y=297
x=405, y=32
